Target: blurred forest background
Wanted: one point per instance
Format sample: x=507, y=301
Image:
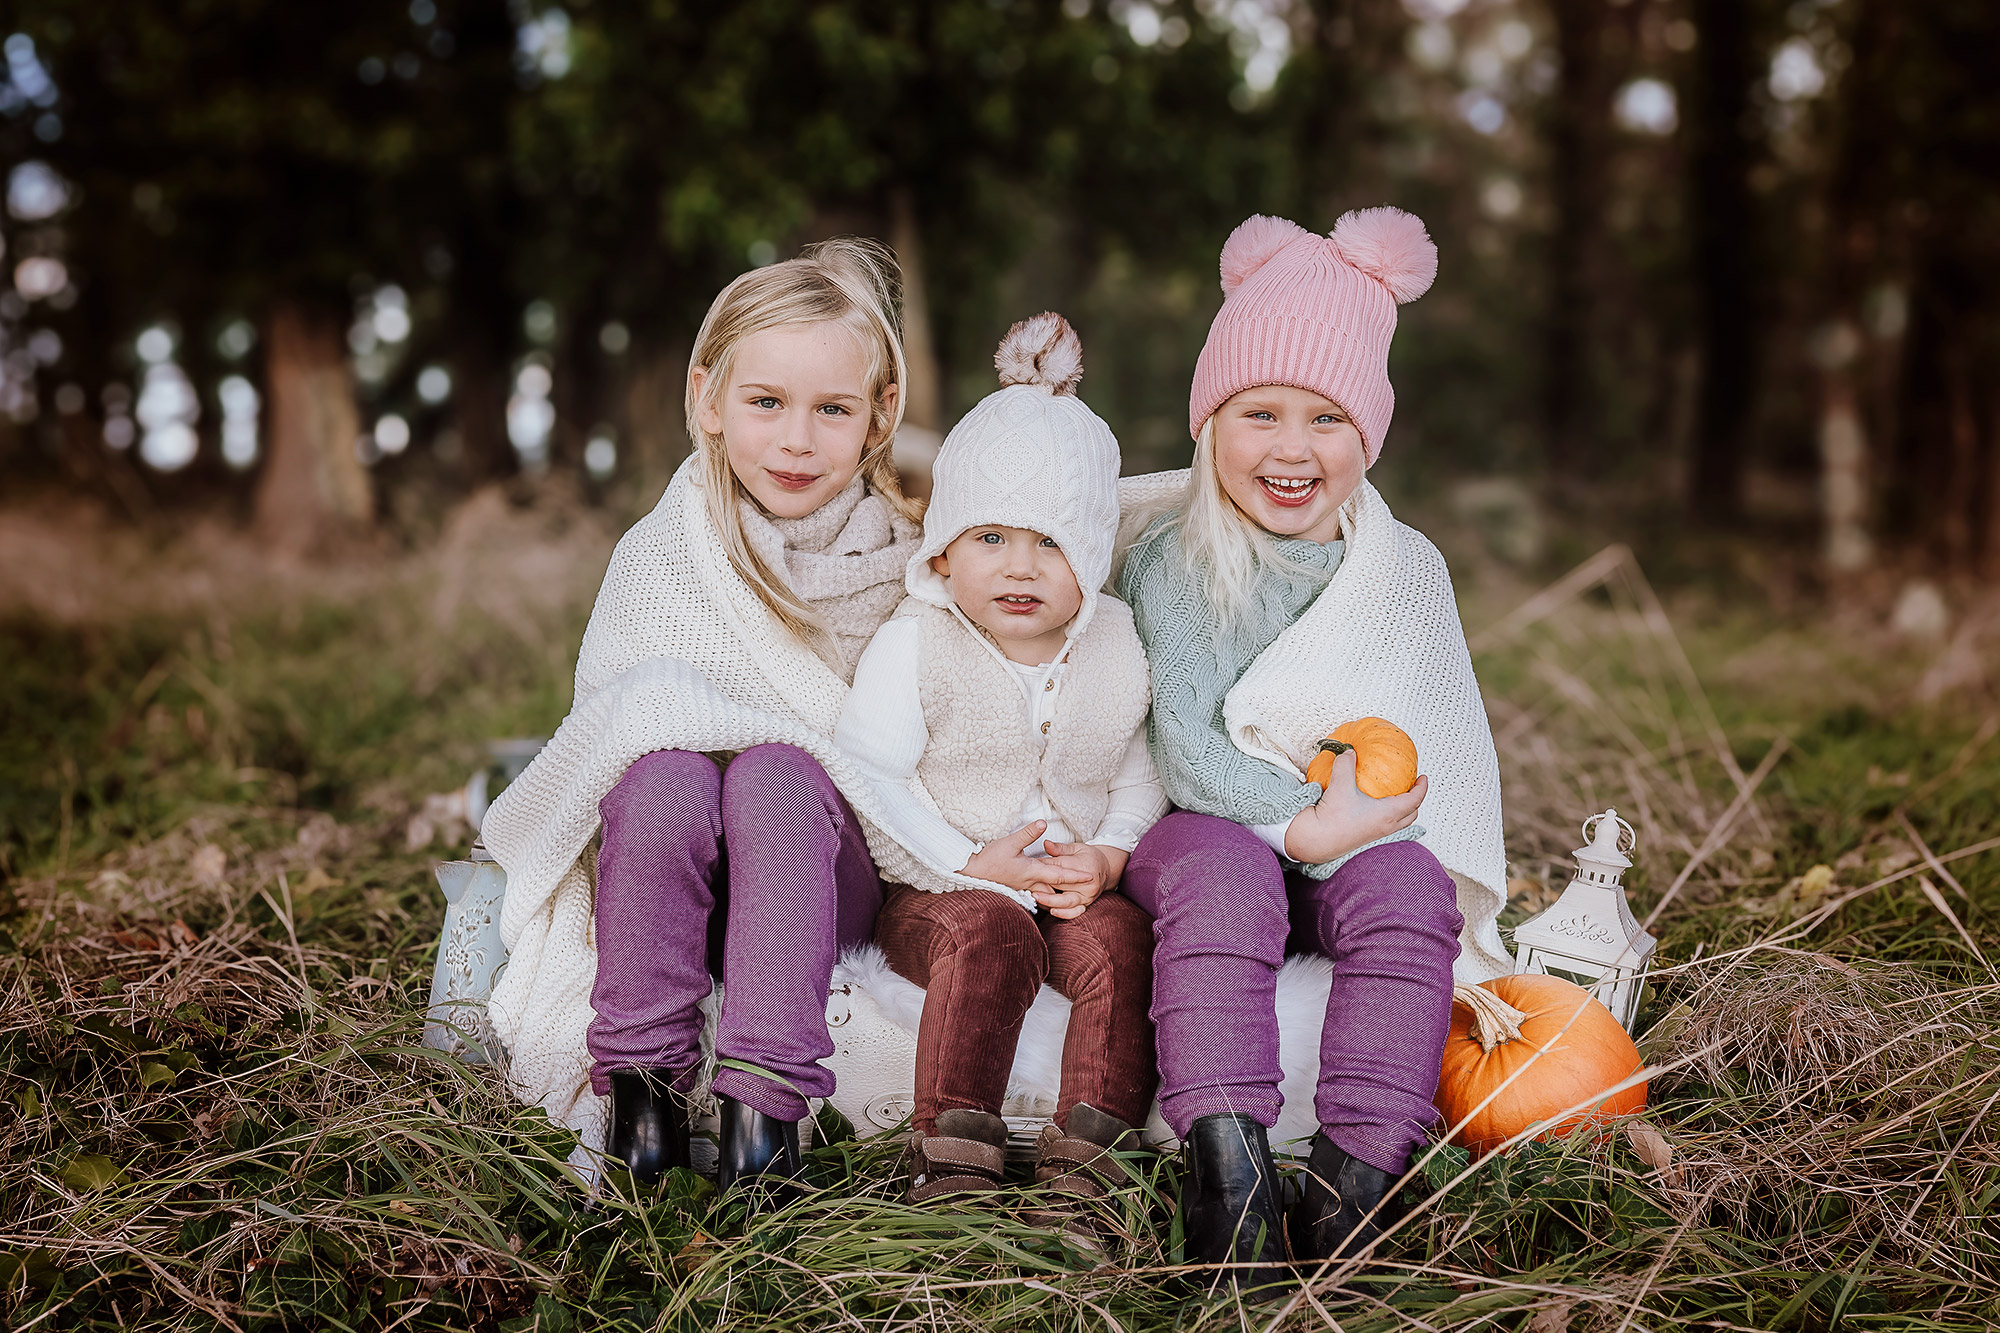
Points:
x=323, y=269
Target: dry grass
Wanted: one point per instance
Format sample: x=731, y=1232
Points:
x=217, y=942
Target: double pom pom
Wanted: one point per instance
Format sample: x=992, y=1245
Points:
x=1387, y=244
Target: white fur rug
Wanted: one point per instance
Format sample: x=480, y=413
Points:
x=872, y=1015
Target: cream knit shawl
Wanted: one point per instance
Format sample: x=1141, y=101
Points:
x=679, y=655
x=1384, y=640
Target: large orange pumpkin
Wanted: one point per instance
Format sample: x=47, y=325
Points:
x=1385, y=758
x=1561, y=1048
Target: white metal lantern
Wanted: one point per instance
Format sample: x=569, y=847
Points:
x=1590, y=935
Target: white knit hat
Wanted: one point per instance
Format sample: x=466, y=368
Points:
x=1030, y=456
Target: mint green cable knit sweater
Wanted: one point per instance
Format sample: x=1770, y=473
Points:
x=1195, y=660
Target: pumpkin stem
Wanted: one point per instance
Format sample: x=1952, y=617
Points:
x=1334, y=747
x=1493, y=1019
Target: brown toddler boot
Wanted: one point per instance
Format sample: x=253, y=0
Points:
x=1077, y=1161
x=966, y=1154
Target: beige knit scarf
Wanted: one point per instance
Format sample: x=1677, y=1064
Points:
x=846, y=559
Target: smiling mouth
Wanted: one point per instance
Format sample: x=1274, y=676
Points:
x=1290, y=490
x=1019, y=604
x=792, y=481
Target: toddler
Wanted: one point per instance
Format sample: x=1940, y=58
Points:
x=1001, y=713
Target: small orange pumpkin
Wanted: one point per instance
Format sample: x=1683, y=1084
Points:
x=1560, y=1047
x=1385, y=758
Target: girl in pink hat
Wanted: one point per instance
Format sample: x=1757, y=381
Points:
x=1278, y=599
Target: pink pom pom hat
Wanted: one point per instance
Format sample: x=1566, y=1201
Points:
x=1315, y=312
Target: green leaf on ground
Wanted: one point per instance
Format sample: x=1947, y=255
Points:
x=88, y=1173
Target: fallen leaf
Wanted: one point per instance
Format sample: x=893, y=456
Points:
x=1653, y=1149
x=421, y=834
x=314, y=880
x=1553, y=1317
x=403, y=1206
x=181, y=933
x=1530, y=895
x=1894, y=856
x=139, y=940
x=208, y=863
x=1798, y=897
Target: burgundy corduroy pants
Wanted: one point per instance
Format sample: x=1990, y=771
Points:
x=981, y=958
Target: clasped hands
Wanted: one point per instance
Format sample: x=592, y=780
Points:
x=1346, y=819
x=1074, y=874
x=1066, y=881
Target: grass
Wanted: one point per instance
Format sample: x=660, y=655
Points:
x=217, y=940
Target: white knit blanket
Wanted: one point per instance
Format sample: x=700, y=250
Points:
x=679, y=655
x=1382, y=640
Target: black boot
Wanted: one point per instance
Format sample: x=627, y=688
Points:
x=757, y=1145
x=1229, y=1200
x=1340, y=1191
x=649, y=1123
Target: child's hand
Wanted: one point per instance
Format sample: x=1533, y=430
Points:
x=1005, y=861
x=1105, y=865
x=1345, y=819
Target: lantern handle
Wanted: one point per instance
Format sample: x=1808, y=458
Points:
x=1628, y=838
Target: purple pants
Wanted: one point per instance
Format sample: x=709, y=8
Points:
x=1223, y=911
x=772, y=842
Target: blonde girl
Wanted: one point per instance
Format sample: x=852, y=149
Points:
x=713, y=669
x=1280, y=600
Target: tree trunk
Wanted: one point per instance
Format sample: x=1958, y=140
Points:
x=655, y=418
x=923, y=407
x=479, y=407
x=1846, y=472
x=1577, y=182
x=1724, y=266
x=313, y=487
x=1843, y=456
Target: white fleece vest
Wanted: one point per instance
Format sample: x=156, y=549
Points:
x=983, y=759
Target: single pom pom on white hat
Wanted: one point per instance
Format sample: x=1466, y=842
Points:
x=1254, y=242
x=1390, y=246
x=1042, y=351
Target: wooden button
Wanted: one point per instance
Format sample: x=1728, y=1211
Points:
x=1045, y=728
x=1048, y=684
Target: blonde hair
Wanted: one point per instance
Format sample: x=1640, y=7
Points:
x=1223, y=548
x=848, y=281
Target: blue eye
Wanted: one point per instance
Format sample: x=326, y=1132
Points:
x=1049, y=542
x=1262, y=416
x=991, y=538
x=1325, y=419
x=767, y=403
x=833, y=409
